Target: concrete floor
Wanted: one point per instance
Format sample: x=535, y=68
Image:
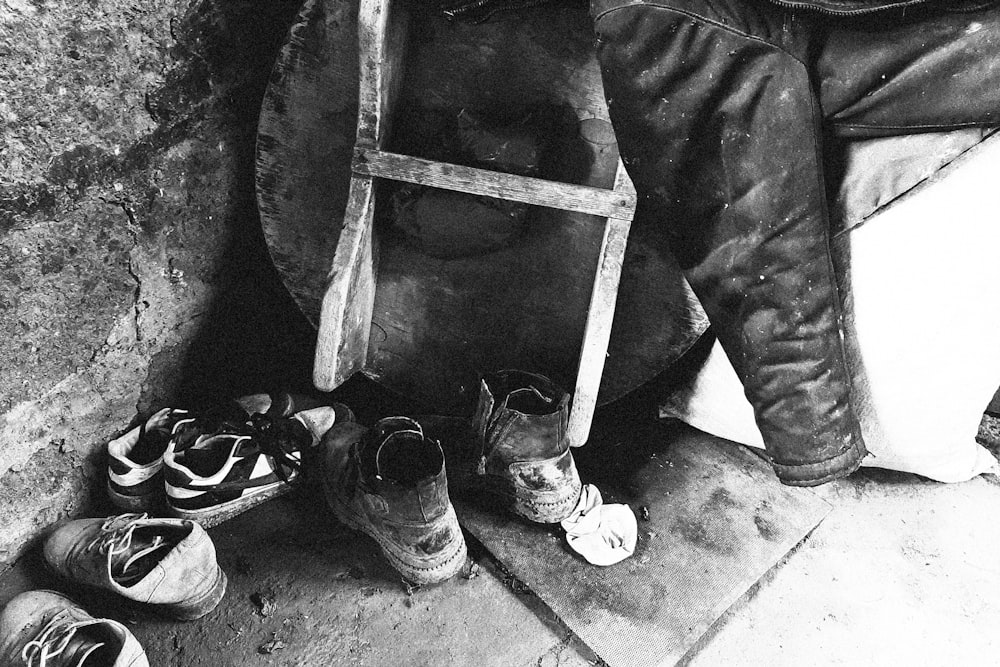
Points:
x=902, y=572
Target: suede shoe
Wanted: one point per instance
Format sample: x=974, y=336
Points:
x=214, y=472
x=45, y=629
x=167, y=563
x=515, y=451
x=389, y=482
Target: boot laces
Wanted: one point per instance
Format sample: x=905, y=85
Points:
x=50, y=643
x=116, y=536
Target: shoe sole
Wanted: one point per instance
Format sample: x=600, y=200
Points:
x=189, y=610
x=451, y=562
x=536, y=507
x=213, y=516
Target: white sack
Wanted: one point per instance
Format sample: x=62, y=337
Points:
x=925, y=273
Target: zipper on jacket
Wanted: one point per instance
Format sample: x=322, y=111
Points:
x=492, y=7
x=859, y=11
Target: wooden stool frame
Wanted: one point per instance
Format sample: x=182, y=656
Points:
x=346, y=311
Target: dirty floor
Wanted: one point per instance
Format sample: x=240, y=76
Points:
x=902, y=572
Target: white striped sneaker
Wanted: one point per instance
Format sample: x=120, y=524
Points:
x=135, y=462
x=213, y=476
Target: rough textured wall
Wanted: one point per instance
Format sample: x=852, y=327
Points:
x=132, y=270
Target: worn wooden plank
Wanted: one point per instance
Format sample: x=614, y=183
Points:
x=718, y=520
x=346, y=311
x=346, y=308
x=470, y=180
x=600, y=316
x=382, y=44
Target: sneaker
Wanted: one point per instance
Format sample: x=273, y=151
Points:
x=239, y=415
x=167, y=563
x=45, y=629
x=214, y=472
x=135, y=462
x=389, y=482
x=515, y=451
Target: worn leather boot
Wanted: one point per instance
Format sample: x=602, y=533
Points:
x=45, y=629
x=389, y=482
x=515, y=448
x=168, y=563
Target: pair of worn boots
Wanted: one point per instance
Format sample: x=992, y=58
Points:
x=391, y=481
x=169, y=564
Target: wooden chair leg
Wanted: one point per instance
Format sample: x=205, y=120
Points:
x=346, y=311
x=600, y=316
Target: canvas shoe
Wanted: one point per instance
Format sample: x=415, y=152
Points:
x=515, y=451
x=168, y=563
x=45, y=629
x=213, y=474
x=135, y=462
x=239, y=415
x=389, y=482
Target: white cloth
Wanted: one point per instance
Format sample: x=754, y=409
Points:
x=602, y=534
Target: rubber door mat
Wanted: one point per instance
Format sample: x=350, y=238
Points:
x=713, y=519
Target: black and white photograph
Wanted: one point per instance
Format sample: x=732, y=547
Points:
x=499, y=333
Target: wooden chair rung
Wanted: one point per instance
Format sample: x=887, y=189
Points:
x=564, y=196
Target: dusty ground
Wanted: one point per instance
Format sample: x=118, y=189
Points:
x=903, y=571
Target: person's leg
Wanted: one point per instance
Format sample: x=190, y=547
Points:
x=717, y=121
x=927, y=71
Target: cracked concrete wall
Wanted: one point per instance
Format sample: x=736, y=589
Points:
x=132, y=268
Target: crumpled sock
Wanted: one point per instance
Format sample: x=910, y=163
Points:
x=602, y=534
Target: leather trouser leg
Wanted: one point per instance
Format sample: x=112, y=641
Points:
x=719, y=127
x=720, y=107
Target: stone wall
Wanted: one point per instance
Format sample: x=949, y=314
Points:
x=132, y=268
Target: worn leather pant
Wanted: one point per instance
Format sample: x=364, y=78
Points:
x=722, y=108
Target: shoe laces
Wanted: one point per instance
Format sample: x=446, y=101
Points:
x=280, y=438
x=115, y=539
x=53, y=641
x=187, y=431
x=164, y=421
